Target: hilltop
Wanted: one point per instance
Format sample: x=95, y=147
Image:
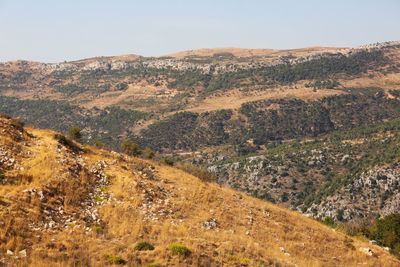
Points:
x=243, y=52
x=64, y=203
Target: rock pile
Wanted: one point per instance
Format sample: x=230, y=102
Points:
x=210, y=224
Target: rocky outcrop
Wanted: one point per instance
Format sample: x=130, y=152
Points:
x=375, y=192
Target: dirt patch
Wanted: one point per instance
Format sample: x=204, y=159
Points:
x=234, y=99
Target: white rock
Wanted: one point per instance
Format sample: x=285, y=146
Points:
x=22, y=253
x=367, y=251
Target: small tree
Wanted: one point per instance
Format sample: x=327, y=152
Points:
x=99, y=144
x=75, y=133
x=130, y=148
x=148, y=153
x=386, y=232
x=328, y=220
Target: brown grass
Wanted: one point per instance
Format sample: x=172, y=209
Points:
x=235, y=98
x=249, y=232
x=243, y=52
x=389, y=81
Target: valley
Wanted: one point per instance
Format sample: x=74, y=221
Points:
x=314, y=130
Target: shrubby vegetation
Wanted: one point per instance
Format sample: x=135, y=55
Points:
x=179, y=249
x=130, y=148
x=143, y=246
x=316, y=69
x=311, y=169
x=2, y=176
x=269, y=121
x=323, y=70
x=115, y=260
x=70, y=89
x=386, y=231
x=200, y=172
x=109, y=126
x=321, y=84
x=187, y=130
x=290, y=119
x=75, y=133
x=188, y=79
x=262, y=122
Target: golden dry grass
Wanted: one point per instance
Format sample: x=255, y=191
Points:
x=171, y=206
x=257, y=52
x=235, y=98
x=388, y=82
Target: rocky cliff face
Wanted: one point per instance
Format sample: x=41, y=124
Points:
x=347, y=176
x=376, y=192
x=373, y=193
x=280, y=178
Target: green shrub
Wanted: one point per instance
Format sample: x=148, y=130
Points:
x=179, y=249
x=75, y=133
x=358, y=228
x=386, y=232
x=142, y=246
x=98, y=229
x=240, y=260
x=148, y=153
x=199, y=171
x=121, y=86
x=112, y=259
x=328, y=220
x=70, y=89
x=168, y=160
x=99, y=144
x=99, y=198
x=2, y=176
x=130, y=148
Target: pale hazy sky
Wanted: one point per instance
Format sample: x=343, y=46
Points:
x=58, y=30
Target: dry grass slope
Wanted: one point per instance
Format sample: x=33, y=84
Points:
x=92, y=207
x=257, y=52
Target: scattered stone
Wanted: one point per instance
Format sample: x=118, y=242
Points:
x=367, y=251
x=210, y=224
x=22, y=253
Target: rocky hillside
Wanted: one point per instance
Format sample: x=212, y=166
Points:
x=347, y=175
x=301, y=128
x=376, y=190
x=64, y=203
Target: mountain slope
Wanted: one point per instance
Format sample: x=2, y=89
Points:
x=62, y=203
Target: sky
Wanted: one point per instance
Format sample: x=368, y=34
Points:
x=55, y=31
